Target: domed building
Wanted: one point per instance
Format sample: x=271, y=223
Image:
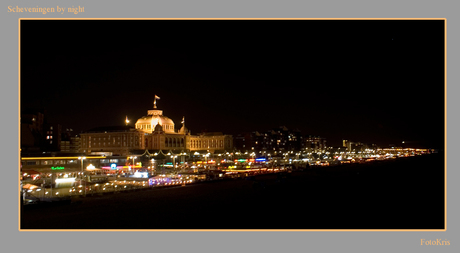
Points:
x=153, y=132
x=155, y=117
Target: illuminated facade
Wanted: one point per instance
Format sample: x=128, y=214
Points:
x=117, y=140
x=152, y=132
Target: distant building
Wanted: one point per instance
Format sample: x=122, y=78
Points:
x=152, y=132
x=116, y=139
x=315, y=142
x=357, y=146
x=70, y=143
x=277, y=139
x=53, y=134
x=75, y=144
x=39, y=136
x=32, y=132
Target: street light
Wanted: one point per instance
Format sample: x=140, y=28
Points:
x=174, y=162
x=81, y=177
x=133, y=157
x=153, y=165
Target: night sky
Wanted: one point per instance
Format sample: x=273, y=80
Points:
x=363, y=80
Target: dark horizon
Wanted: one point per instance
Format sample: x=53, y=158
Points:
x=371, y=81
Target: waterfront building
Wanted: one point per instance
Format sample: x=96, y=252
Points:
x=313, y=142
x=118, y=140
x=279, y=139
x=153, y=132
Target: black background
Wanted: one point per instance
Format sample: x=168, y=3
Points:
x=375, y=81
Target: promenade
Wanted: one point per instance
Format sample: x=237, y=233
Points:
x=380, y=195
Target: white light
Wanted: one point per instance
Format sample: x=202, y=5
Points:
x=65, y=180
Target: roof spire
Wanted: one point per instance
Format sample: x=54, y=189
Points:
x=155, y=102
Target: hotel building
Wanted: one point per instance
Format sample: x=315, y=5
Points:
x=153, y=132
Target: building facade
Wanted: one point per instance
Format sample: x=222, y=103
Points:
x=117, y=140
x=152, y=132
x=278, y=139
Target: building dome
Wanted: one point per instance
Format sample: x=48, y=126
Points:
x=155, y=117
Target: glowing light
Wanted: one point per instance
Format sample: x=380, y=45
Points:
x=141, y=174
x=120, y=167
x=65, y=180
x=59, y=158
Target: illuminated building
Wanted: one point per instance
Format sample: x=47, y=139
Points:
x=315, y=142
x=277, y=139
x=37, y=135
x=60, y=164
x=152, y=132
x=53, y=137
x=118, y=140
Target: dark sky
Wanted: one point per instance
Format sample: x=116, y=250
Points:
x=364, y=80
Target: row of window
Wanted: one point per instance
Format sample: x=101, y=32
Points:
x=50, y=162
x=109, y=138
x=148, y=126
x=103, y=144
x=111, y=142
x=174, y=142
x=145, y=126
x=207, y=143
x=63, y=162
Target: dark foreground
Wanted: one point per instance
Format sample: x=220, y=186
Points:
x=406, y=193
